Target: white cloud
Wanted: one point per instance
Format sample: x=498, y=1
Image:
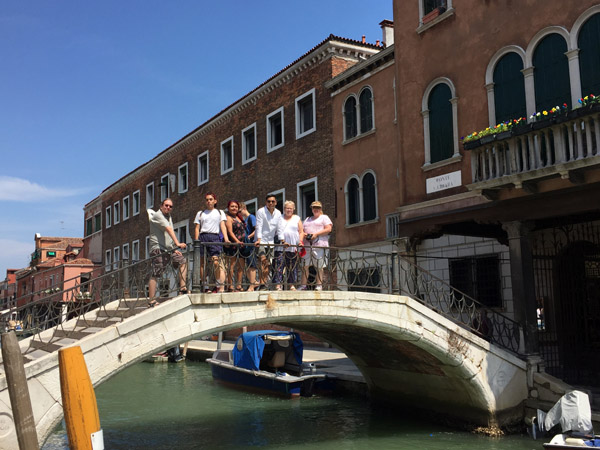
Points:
x=14, y=255
x=21, y=190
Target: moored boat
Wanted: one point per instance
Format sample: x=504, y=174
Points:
x=266, y=360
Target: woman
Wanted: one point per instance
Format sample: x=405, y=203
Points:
x=316, y=239
x=236, y=232
x=290, y=234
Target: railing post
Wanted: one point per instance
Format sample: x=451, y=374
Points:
x=126, y=288
x=196, y=281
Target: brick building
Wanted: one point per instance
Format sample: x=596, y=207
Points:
x=276, y=139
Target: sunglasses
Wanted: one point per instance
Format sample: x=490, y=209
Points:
x=168, y=206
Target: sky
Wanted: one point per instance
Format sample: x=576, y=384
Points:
x=91, y=90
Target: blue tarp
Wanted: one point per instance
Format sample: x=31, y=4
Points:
x=249, y=347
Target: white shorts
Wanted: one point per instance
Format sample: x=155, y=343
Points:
x=316, y=257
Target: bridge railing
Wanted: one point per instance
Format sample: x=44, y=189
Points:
x=90, y=304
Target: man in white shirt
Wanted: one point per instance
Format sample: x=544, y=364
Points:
x=267, y=219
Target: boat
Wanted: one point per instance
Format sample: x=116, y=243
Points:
x=268, y=361
x=573, y=413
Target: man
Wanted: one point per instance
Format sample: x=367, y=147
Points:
x=250, y=221
x=267, y=219
x=163, y=239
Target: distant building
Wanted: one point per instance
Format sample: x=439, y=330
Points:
x=8, y=289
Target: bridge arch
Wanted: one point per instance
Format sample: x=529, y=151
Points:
x=407, y=353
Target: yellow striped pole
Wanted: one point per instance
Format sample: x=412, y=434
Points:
x=79, y=401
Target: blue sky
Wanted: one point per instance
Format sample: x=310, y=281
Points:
x=91, y=90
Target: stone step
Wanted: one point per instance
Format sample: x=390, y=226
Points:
x=120, y=313
x=45, y=346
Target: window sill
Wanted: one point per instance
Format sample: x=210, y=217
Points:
x=360, y=224
x=355, y=138
x=426, y=26
x=446, y=162
x=277, y=147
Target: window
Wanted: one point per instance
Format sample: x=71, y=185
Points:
x=182, y=180
x=478, y=277
x=147, y=249
x=135, y=250
x=249, y=144
x=440, y=123
x=98, y=222
x=181, y=231
x=227, y=155
x=432, y=12
x=366, y=110
x=252, y=205
x=108, y=215
x=280, y=197
x=367, y=279
x=305, y=114
x=126, y=208
x=551, y=73
x=307, y=193
x=116, y=213
x=107, y=260
x=136, y=203
x=588, y=42
x=164, y=187
x=89, y=226
x=203, y=168
x=430, y=5
x=509, y=88
x=275, y=133
x=350, y=118
x=361, y=198
x=150, y=195
x=116, y=257
x=125, y=253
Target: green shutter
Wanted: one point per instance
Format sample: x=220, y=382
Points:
x=589, y=56
x=509, y=88
x=369, y=198
x=366, y=110
x=441, y=136
x=551, y=73
x=350, y=117
x=353, y=202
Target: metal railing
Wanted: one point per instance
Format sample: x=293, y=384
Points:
x=116, y=294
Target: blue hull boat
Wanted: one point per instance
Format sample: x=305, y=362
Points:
x=267, y=361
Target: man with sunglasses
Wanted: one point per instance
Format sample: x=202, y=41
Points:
x=267, y=219
x=162, y=241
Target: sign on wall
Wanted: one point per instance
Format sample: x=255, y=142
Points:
x=446, y=181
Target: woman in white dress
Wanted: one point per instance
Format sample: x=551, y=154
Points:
x=290, y=234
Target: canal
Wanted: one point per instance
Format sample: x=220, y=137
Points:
x=167, y=406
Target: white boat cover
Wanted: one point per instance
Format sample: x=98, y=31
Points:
x=572, y=412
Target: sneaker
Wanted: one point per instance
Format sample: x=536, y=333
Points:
x=302, y=288
x=319, y=288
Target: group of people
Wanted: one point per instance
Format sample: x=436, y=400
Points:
x=243, y=250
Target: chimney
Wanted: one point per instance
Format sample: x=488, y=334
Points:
x=364, y=39
x=387, y=28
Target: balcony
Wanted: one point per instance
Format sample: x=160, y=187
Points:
x=561, y=146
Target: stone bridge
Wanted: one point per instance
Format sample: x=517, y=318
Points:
x=407, y=353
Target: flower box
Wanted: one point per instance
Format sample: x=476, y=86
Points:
x=487, y=139
x=471, y=144
x=544, y=123
x=503, y=135
x=433, y=14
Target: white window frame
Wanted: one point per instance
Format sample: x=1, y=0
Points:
x=183, y=182
x=126, y=205
x=200, y=157
x=150, y=199
x=299, y=205
x=147, y=247
x=270, y=146
x=255, y=201
x=177, y=227
x=108, y=216
x=299, y=133
x=424, y=26
x=107, y=260
x=162, y=180
x=125, y=252
x=277, y=192
x=245, y=159
x=135, y=250
x=223, y=169
x=116, y=213
x=116, y=257
x=135, y=195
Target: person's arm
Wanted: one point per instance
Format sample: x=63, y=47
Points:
x=259, y=225
x=280, y=229
x=301, y=232
x=196, y=231
x=229, y=226
x=223, y=227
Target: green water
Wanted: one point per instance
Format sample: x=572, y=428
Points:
x=178, y=406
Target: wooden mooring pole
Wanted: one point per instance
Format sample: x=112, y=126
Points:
x=18, y=392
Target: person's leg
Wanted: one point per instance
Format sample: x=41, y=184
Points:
x=151, y=288
x=219, y=270
x=278, y=270
x=264, y=269
x=239, y=272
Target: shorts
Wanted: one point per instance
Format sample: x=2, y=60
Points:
x=315, y=256
x=160, y=260
x=266, y=250
x=213, y=250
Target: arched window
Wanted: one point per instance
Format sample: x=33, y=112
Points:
x=509, y=88
x=353, y=200
x=366, y=110
x=440, y=123
x=369, y=197
x=551, y=73
x=588, y=42
x=350, y=119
